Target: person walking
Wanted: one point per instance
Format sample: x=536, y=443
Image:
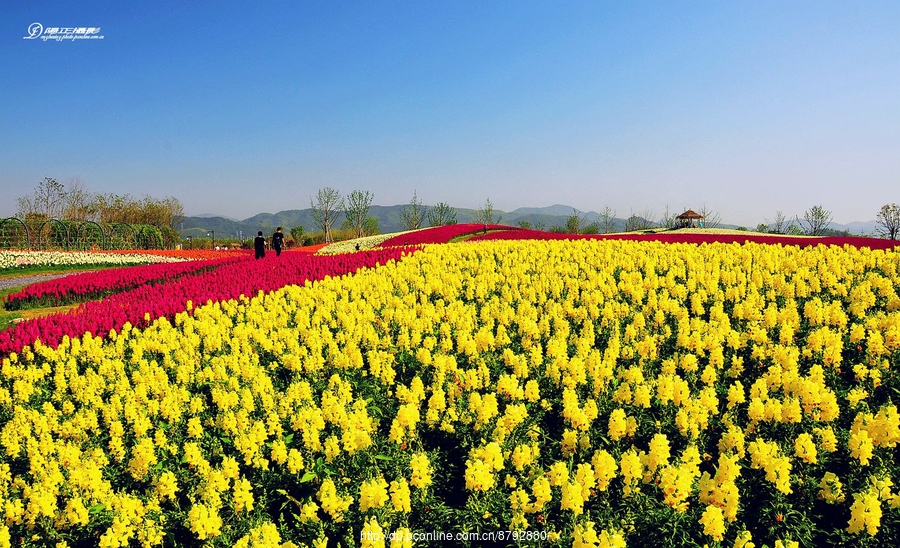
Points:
x=278, y=241
x=259, y=244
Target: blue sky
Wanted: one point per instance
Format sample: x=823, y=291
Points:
x=237, y=109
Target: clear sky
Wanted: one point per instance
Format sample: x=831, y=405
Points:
x=237, y=108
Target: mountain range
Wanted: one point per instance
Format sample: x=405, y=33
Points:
x=390, y=220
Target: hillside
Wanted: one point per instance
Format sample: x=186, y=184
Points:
x=390, y=220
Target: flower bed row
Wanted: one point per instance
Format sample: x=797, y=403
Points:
x=440, y=234
x=10, y=260
x=140, y=306
x=591, y=393
x=855, y=241
x=357, y=244
x=93, y=285
x=191, y=254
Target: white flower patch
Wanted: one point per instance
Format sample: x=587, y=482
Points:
x=366, y=242
x=16, y=259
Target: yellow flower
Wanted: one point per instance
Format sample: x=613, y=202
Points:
x=204, y=521
x=421, y=471
x=373, y=494
x=865, y=512
x=713, y=522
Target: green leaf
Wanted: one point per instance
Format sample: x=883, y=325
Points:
x=309, y=476
x=383, y=457
x=96, y=509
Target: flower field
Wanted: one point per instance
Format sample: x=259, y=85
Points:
x=227, y=279
x=695, y=238
x=602, y=392
x=93, y=285
x=439, y=234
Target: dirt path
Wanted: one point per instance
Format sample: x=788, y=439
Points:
x=17, y=281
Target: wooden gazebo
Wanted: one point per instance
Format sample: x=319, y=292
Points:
x=688, y=218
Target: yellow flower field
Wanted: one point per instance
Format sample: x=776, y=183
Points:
x=604, y=393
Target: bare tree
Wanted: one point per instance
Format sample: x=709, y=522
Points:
x=357, y=210
x=325, y=209
x=711, y=219
x=889, y=219
x=76, y=201
x=442, y=214
x=607, y=220
x=639, y=222
x=485, y=214
x=815, y=220
x=413, y=215
x=668, y=219
x=47, y=201
x=779, y=224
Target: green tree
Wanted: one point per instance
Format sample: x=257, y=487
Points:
x=326, y=209
x=413, y=215
x=485, y=214
x=297, y=234
x=815, y=220
x=370, y=226
x=357, y=210
x=441, y=214
x=639, y=222
x=574, y=222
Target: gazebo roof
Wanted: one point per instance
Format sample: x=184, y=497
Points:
x=690, y=214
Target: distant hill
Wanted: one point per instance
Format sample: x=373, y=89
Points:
x=390, y=220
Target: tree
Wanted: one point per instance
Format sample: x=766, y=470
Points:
x=357, y=210
x=710, y=219
x=442, y=214
x=46, y=202
x=639, y=222
x=592, y=228
x=574, y=222
x=485, y=214
x=607, y=220
x=413, y=215
x=525, y=224
x=76, y=201
x=778, y=225
x=668, y=219
x=889, y=219
x=815, y=220
x=762, y=227
x=297, y=234
x=325, y=209
x=370, y=226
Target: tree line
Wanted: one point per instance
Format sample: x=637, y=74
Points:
x=329, y=203
x=53, y=200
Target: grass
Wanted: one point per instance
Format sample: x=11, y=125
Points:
x=8, y=317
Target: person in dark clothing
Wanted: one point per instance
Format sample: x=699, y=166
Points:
x=259, y=244
x=278, y=241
